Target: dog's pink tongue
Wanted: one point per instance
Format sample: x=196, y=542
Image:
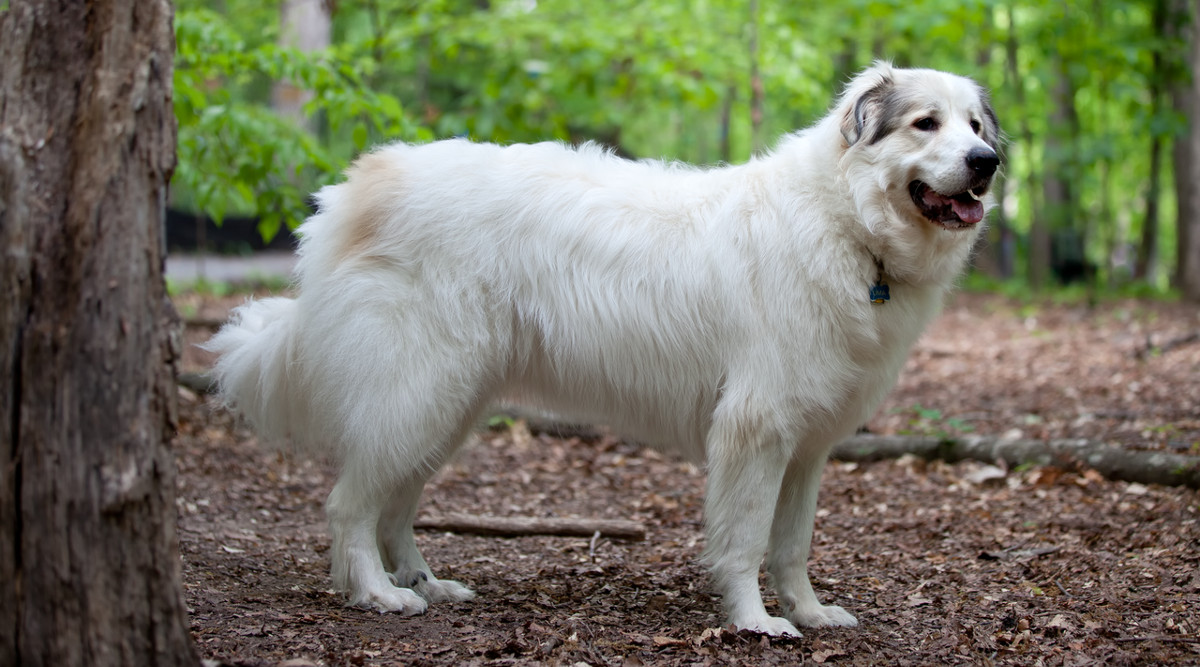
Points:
x=969, y=212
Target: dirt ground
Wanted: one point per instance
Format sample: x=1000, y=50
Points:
x=942, y=564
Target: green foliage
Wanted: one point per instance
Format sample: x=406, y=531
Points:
x=235, y=154
x=221, y=288
x=204, y=286
x=673, y=80
x=930, y=422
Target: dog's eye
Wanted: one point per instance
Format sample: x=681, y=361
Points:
x=925, y=124
x=975, y=126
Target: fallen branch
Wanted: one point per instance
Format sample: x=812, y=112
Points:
x=204, y=323
x=1118, y=463
x=1145, y=467
x=519, y=526
x=201, y=383
x=1168, y=639
x=1129, y=465
x=1150, y=348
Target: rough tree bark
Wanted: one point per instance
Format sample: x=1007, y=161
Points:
x=89, y=562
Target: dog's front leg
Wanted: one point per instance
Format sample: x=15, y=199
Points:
x=745, y=469
x=791, y=539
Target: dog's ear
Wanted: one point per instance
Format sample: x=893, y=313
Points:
x=992, y=135
x=864, y=112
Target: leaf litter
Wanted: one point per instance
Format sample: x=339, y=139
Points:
x=969, y=563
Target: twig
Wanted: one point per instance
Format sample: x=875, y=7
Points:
x=1159, y=638
x=519, y=526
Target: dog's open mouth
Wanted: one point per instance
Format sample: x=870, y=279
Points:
x=958, y=211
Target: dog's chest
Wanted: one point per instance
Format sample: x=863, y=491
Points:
x=879, y=354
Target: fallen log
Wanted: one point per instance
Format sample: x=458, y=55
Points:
x=1118, y=463
x=504, y=526
x=204, y=323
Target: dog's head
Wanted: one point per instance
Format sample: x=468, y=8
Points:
x=929, y=140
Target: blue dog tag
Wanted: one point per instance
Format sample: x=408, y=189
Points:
x=880, y=293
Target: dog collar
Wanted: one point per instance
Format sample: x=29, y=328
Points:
x=880, y=293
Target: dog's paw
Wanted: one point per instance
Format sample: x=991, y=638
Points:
x=399, y=600
x=768, y=625
x=432, y=589
x=443, y=590
x=821, y=616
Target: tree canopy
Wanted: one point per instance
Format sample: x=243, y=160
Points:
x=1082, y=87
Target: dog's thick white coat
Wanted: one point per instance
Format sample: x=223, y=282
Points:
x=719, y=313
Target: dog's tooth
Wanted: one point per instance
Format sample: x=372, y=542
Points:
x=974, y=196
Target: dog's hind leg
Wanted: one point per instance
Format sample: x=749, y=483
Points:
x=401, y=423
x=791, y=540
x=400, y=554
x=354, y=508
x=745, y=469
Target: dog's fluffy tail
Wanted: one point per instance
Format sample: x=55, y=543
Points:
x=252, y=369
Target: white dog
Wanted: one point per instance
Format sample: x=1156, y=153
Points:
x=736, y=316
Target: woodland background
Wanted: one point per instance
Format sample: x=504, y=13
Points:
x=110, y=470
x=274, y=99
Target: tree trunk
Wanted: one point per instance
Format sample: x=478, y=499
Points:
x=1146, y=263
x=1039, y=244
x=1187, y=160
x=1054, y=240
x=304, y=25
x=756, y=84
x=1147, y=254
x=89, y=564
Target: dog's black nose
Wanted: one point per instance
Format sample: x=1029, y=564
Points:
x=983, y=161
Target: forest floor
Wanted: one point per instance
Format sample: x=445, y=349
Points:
x=941, y=563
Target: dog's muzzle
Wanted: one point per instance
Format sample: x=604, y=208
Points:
x=963, y=209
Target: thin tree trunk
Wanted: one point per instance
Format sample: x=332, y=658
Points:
x=1036, y=209
x=1147, y=255
x=993, y=257
x=756, y=84
x=89, y=564
x=725, y=147
x=1187, y=159
x=1147, y=252
x=1054, y=239
x=305, y=25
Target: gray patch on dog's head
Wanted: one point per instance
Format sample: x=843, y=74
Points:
x=879, y=112
x=862, y=114
x=893, y=107
x=991, y=134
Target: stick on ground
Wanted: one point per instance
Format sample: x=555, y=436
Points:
x=518, y=526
